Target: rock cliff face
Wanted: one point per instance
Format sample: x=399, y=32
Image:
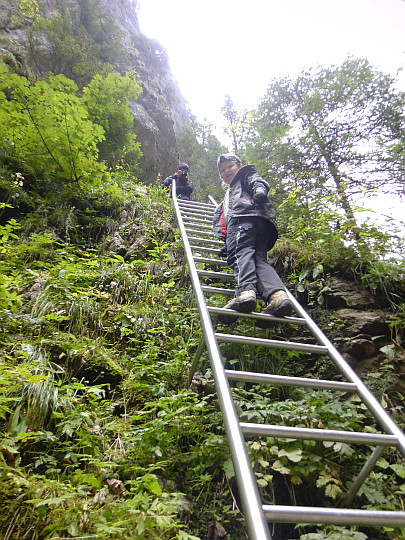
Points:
x=358, y=323
x=160, y=111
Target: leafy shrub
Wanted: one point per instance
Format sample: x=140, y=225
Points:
x=54, y=133
x=46, y=127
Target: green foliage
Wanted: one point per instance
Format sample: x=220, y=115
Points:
x=95, y=360
x=93, y=366
x=335, y=533
x=28, y=7
x=154, y=53
x=106, y=99
x=379, y=276
x=74, y=409
x=237, y=124
x=330, y=466
x=9, y=281
x=325, y=139
x=318, y=223
x=397, y=323
x=200, y=148
x=54, y=133
x=310, y=281
x=79, y=43
x=331, y=125
x=46, y=128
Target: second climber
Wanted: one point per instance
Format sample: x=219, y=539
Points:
x=184, y=186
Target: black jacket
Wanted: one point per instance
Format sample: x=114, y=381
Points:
x=245, y=185
x=184, y=186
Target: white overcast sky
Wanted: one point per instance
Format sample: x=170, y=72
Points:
x=236, y=47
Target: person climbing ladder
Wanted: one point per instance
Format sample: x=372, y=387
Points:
x=245, y=221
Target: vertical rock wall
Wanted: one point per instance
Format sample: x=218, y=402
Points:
x=160, y=111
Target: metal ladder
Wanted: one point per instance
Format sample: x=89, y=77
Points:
x=195, y=224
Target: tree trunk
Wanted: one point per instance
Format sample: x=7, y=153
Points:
x=334, y=172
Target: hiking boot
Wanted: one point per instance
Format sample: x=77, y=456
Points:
x=245, y=302
x=278, y=305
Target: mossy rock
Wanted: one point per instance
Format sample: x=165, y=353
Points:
x=99, y=367
x=84, y=358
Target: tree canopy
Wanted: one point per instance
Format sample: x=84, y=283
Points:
x=331, y=132
x=75, y=42
x=199, y=147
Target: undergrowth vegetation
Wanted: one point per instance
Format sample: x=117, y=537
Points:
x=100, y=437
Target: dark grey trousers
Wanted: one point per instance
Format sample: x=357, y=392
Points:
x=247, y=239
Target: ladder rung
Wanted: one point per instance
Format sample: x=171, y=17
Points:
x=196, y=218
x=208, y=250
x=197, y=204
x=272, y=343
x=203, y=241
x=219, y=275
x=199, y=227
x=206, y=220
x=218, y=262
x=202, y=232
x=255, y=315
x=197, y=212
x=202, y=221
x=200, y=205
x=279, y=380
x=338, y=516
x=198, y=223
x=218, y=290
x=190, y=214
x=288, y=432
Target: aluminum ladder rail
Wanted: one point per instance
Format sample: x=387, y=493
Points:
x=196, y=219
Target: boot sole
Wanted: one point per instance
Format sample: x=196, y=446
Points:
x=243, y=307
x=247, y=306
x=282, y=310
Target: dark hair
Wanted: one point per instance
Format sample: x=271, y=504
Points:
x=183, y=167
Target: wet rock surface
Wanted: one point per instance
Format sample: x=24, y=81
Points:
x=357, y=322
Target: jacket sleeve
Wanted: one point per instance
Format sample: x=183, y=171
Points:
x=256, y=184
x=167, y=181
x=257, y=188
